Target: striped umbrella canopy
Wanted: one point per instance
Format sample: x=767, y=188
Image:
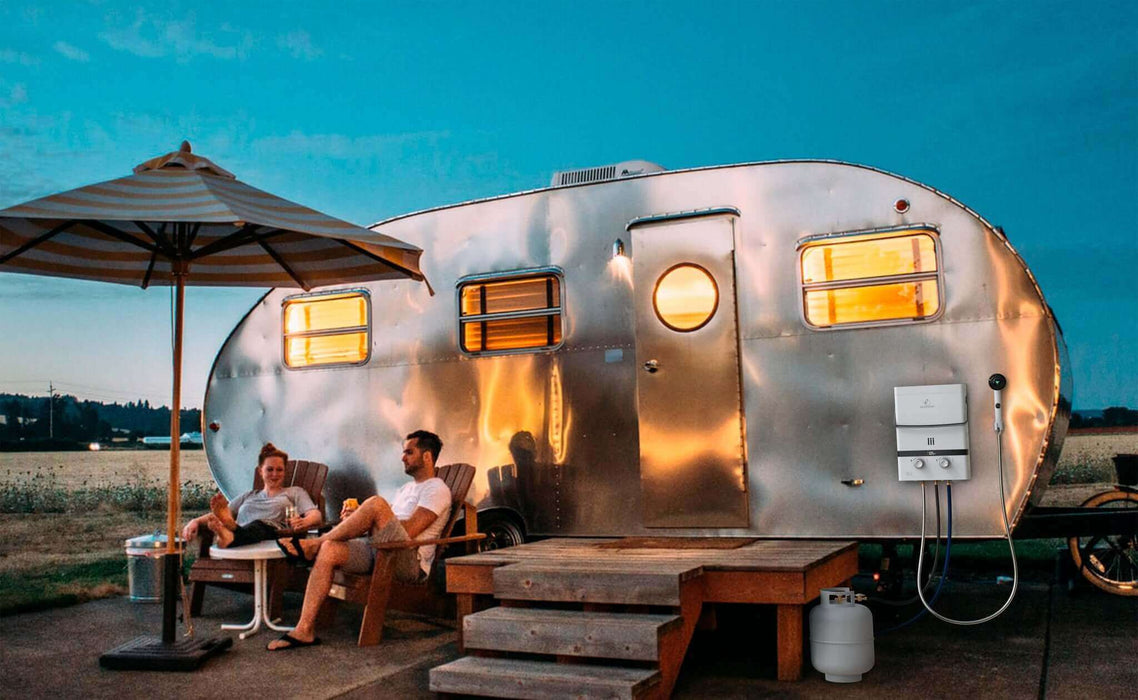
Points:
x=180, y=219
x=181, y=212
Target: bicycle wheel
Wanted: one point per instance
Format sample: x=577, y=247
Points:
x=1110, y=562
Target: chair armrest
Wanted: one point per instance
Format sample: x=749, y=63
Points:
x=301, y=533
x=409, y=544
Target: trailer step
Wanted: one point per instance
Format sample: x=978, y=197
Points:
x=606, y=635
x=624, y=585
x=516, y=678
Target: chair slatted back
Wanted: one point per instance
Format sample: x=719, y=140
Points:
x=458, y=478
x=309, y=476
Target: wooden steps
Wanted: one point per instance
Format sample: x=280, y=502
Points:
x=634, y=652
x=517, y=678
x=603, y=635
x=621, y=584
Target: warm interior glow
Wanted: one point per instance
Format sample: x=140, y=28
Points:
x=860, y=260
x=309, y=325
x=512, y=333
x=855, y=259
x=305, y=351
x=541, y=292
x=830, y=307
x=686, y=297
x=537, y=295
x=325, y=313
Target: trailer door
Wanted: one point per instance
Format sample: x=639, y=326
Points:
x=692, y=463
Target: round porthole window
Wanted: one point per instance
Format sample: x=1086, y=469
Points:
x=686, y=297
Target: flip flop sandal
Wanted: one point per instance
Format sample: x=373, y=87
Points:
x=292, y=557
x=300, y=555
x=294, y=643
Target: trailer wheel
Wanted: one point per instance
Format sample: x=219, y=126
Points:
x=1110, y=562
x=501, y=529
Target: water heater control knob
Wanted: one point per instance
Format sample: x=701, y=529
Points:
x=944, y=463
x=918, y=463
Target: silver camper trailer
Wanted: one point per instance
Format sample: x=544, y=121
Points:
x=719, y=351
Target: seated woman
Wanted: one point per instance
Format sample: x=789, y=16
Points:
x=258, y=515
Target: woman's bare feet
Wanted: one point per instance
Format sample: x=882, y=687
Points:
x=223, y=536
x=219, y=506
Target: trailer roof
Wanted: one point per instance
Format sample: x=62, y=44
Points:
x=666, y=173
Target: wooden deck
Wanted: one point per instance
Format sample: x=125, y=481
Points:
x=683, y=574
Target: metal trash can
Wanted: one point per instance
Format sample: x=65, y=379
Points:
x=145, y=564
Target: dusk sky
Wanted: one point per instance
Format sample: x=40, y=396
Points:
x=1027, y=112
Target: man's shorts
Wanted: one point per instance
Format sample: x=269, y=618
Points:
x=361, y=553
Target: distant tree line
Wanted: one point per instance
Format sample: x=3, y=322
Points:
x=1113, y=417
x=36, y=419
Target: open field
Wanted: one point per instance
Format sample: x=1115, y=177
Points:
x=106, y=468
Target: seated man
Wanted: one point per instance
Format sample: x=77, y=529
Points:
x=418, y=511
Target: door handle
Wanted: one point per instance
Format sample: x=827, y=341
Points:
x=651, y=366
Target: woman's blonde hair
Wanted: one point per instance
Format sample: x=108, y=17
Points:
x=270, y=450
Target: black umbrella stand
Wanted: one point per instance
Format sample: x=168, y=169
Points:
x=166, y=653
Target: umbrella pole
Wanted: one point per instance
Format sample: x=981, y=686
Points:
x=173, y=569
x=172, y=503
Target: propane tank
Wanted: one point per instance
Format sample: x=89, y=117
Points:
x=841, y=636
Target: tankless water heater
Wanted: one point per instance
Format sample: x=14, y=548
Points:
x=932, y=432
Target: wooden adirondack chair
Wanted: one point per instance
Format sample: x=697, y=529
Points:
x=231, y=573
x=379, y=590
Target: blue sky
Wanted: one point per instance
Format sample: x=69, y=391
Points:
x=1027, y=112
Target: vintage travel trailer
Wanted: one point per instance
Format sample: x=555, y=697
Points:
x=720, y=351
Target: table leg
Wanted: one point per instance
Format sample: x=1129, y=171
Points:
x=789, y=642
x=253, y=624
x=258, y=598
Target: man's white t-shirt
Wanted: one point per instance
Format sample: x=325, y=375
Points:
x=432, y=494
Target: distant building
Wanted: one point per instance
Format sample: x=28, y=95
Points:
x=162, y=442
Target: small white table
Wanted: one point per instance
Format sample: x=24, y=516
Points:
x=258, y=553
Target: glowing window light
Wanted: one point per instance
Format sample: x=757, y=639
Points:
x=685, y=298
x=502, y=315
x=327, y=329
x=885, y=277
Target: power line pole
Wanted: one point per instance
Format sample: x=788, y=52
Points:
x=50, y=410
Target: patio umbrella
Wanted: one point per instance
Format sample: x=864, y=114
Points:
x=180, y=219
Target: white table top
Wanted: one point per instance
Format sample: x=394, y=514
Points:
x=258, y=550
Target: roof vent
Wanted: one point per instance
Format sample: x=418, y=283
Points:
x=628, y=168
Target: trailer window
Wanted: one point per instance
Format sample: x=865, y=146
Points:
x=685, y=297
x=328, y=329
x=499, y=315
x=873, y=278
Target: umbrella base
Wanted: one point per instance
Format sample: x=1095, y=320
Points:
x=152, y=654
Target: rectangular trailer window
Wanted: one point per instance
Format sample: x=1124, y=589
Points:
x=327, y=329
x=500, y=314
x=872, y=278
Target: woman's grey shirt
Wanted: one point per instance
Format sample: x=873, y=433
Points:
x=256, y=505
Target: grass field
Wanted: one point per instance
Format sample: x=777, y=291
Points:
x=64, y=515
x=108, y=467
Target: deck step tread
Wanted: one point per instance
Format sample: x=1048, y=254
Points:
x=609, y=635
x=624, y=585
x=762, y=555
x=519, y=678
